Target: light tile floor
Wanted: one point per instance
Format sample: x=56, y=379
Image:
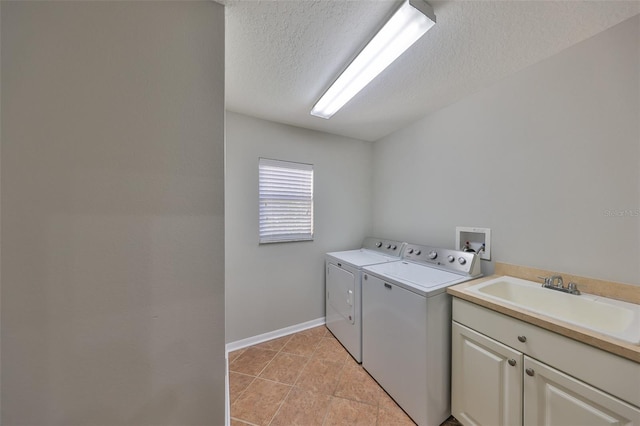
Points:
x=307, y=379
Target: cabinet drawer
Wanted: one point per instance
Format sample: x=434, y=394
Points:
x=615, y=375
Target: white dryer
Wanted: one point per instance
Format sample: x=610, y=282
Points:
x=406, y=327
x=343, y=288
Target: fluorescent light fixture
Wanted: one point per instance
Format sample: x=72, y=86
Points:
x=405, y=27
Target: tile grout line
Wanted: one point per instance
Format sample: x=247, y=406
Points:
x=275, y=381
x=326, y=413
x=280, y=405
x=298, y=376
x=343, y=370
x=333, y=394
x=277, y=353
x=254, y=377
x=267, y=364
x=243, y=390
x=244, y=421
x=333, y=397
x=296, y=379
x=309, y=358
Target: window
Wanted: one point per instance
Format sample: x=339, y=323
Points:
x=286, y=201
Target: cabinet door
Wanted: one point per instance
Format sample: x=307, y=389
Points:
x=552, y=398
x=486, y=380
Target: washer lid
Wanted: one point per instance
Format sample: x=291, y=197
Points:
x=420, y=279
x=361, y=257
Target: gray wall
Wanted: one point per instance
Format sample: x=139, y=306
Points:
x=273, y=286
x=546, y=158
x=112, y=213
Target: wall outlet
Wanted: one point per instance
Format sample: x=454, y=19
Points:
x=474, y=239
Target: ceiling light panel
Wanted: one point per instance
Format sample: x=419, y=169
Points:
x=405, y=27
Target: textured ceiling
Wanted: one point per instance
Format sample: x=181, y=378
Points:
x=282, y=55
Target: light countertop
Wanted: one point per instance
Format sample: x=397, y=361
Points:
x=624, y=292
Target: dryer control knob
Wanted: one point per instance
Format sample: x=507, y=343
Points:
x=378, y=244
x=388, y=246
x=462, y=260
x=450, y=258
x=410, y=250
x=433, y=254
x=418, y=252
x=394, y=247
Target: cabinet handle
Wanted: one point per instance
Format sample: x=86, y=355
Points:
x=529, y=371
x=522, y=338
x=387, y=286
x=512, y=362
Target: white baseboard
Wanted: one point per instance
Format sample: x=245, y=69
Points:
x=250, y=341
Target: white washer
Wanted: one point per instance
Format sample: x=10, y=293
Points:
x=343, y=284
x=406, y=327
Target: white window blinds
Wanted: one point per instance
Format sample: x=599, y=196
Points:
x=286, y=201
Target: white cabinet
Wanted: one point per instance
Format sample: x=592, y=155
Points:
x=508, y=372
x=487, y=380
x=553, y=398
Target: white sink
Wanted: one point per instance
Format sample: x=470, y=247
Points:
x=608, y=316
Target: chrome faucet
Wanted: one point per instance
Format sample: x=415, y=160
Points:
x=555, y=282
x=553, y=279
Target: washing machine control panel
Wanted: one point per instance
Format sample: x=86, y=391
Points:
x=450, y=260
x=384, y=246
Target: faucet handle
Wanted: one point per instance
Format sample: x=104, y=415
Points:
x=573, y=288
x=545, y=279
x=551, y=281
